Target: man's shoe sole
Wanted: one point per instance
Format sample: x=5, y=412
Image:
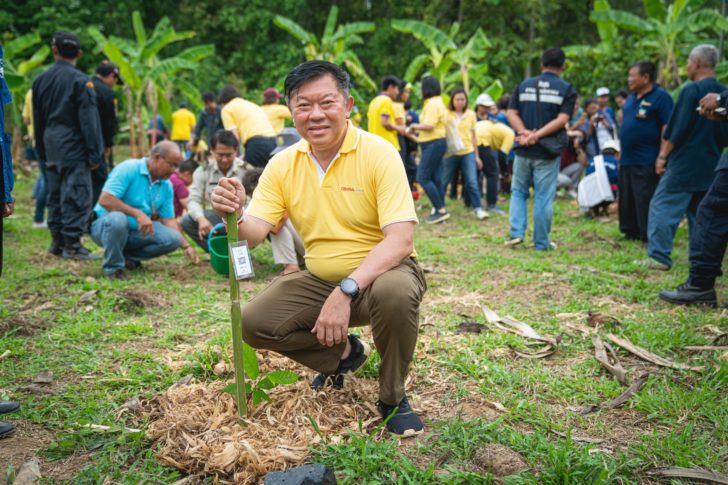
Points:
x=675, y=301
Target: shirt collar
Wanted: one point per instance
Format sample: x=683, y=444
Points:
x=237, y=165
x=351, y=140
x=144, y=170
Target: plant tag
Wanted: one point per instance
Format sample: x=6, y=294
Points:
x=242, y=263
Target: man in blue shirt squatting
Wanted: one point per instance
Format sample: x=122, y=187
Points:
x=687, y=160
x=135, y=213
x=539, y=109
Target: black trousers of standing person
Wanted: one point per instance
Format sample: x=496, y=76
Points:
x=490, y=171
x=98, y=179
x=69, y=199
x=710, y=234
x=637, y=184
x=410, y=167
x=258, y=150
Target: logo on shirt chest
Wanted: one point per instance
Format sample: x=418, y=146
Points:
x=351, y=189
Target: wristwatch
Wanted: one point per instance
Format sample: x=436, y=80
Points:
x=718, y=99
x=350, y=288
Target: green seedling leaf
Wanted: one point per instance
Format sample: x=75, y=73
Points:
x=230, y=389
x=250, y=362
x=259, y=396
x=265, y=383
x=282, y=377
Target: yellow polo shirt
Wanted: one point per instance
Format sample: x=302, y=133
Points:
x=466, y=125
x=340, y=217
x=247, y=119
x=28, y=113
x=400, y=114
x=277, y=114
x=183, y=122
x=494, y=135
x=382, y=106
x=434, y=114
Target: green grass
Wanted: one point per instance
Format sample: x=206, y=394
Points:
x=104, y=349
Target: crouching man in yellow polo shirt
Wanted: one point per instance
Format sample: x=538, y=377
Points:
x=346, y=192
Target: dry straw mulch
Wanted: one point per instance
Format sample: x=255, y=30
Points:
x=196, y=428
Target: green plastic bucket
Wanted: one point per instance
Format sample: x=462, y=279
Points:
x=218, y=246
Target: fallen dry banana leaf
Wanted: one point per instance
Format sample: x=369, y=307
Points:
x=606, y=356
x=649, y=356
x=542, y=353
x=694, y=473
x=619, y=400
x=706, y=348
x=511, y=325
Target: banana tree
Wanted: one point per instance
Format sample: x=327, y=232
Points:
x=445, y=54
x=149, y=77
x=336, y=44
x=666, y=30
x=20, y=71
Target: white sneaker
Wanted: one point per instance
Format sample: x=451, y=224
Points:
x=40, y=225
x=480, y=213
x=514, y=241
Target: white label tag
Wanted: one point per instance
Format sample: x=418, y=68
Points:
x=242, y=263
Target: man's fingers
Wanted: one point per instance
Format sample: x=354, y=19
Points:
x=329, y=336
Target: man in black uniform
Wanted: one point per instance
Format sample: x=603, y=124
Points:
x=68, y=141
x=107, y=76
x=709, y=238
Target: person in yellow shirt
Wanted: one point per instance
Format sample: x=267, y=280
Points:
x=492, y=139
x=381, y=116
x=345, y=191
x=432, y=130
x=276, y=112
x=466, y=159
x=249, y=124
x=183, y=122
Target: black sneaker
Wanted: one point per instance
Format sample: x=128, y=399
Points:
x=402, y=420
x=118, y=275
x=76, y=251
x=56, y=248
x=437, y=217
x=6, y=429
x=358, y=356
x=687, y=294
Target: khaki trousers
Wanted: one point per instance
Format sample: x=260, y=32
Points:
x=281, y=317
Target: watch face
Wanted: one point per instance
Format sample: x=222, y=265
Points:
x=349, y=286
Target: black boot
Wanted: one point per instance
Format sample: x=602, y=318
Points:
x=6, y=429
x=686, y=294
x=57, y=244
x=74, y=250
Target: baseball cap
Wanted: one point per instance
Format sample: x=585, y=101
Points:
x=485, y=100
x=272, y=93
x=106, y=68
x=611, y=145
x=602, y=91
x=68, y=44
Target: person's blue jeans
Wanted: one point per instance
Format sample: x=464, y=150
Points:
x=111, y=231
x=470, y=177
x=666, y=212
x=542, y=174
x=429, y=172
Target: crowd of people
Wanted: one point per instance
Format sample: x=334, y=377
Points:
x=336, y=202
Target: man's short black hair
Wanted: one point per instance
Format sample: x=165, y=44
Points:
x=622, y=94
x=228, y=93
x=390, y=81
x=554, y=58
x=645, y=68
x=208, y=97
x=590, y=101
x=224, y=137
x=68, y=44
x=189, y=165
x=312, y=70
x=430, y=87
x=250, y=179
x=503, y=102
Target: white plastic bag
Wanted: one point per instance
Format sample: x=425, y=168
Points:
x=595, y=188
x=452, y=137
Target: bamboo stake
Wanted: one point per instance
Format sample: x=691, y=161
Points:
x=237, y=322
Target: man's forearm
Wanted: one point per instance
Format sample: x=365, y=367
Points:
x=515, y=121
x=112, y=203
x=253, y=230
x=173, y=224
x=552, y=126
x=386, y=255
